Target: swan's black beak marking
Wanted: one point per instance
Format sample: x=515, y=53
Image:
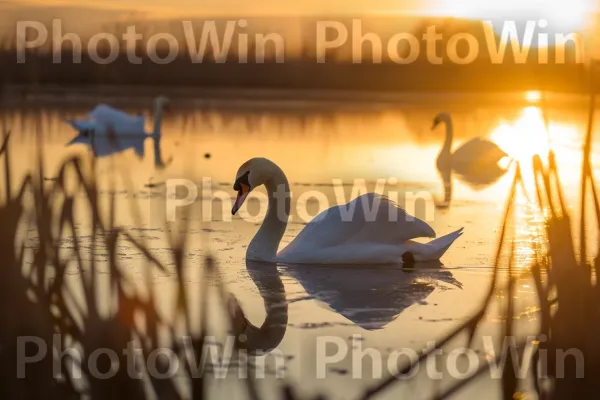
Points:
x=435, y=124
x=408, y=258
x=242, y=185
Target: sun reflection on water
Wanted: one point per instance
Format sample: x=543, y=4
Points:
x=529, y=234
x=528, y=135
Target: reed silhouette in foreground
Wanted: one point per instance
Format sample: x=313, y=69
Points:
x=38, y=300
x=566, y=287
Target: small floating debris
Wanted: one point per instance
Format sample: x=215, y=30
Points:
x=340, y=371
x=207, y=155
x=153, y=185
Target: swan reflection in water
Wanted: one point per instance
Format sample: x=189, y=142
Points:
x=476, y=179
x=370, y=297
x=267, y=278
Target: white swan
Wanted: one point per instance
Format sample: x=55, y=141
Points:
x=474, y=154
x=104, y=119
x=371, y=229
x=475, y=162
x=109, y=131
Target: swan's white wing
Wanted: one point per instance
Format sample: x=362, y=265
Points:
x=121, y=122
x=478, y=150
x=370, y=218
x=369, y=253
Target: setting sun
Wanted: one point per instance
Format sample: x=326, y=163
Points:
x=525, y=137
x=570, y=17
x=528, y=135
x=533, y=96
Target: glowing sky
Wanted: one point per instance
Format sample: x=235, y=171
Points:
x=566, y=9
x=567, y=15
x=571, y=12
x=220, y=7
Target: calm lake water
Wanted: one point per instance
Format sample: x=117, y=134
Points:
x=328, y=148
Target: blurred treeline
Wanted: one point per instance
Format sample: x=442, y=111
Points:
x=300, y=68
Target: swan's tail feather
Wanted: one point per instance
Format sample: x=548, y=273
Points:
x=81, y=125
x=73, y=123
x=437, y=248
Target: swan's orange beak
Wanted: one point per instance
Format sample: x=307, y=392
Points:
x=241, y=197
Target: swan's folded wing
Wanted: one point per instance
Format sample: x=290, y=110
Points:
x=479, y=150
x=369, y=218
x=383, y=221
x=491, y=150
x=121, y=122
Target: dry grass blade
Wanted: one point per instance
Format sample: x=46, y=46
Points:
x=4, y=152
x=4, y=142
x=56, y=308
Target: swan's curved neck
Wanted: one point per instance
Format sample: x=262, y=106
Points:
x=265, y=243
x=449, y=135
x=158, y=116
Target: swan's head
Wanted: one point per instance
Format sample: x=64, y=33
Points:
x=441, y=117
x=163, y=103
x=250, y=175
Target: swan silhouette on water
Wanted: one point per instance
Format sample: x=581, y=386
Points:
x=371, y=229
x=475, y=162
x=477, y=152
x=372, y=296
x=110, y=131
x=266, y=337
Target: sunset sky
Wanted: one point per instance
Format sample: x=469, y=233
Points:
x=238, y=6
x=571, y=11
x=88, y=15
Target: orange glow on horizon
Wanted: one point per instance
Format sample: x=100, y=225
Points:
x=533, y=96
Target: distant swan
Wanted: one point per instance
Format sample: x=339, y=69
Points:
x=476, y=153
x=108, y=130
x=475, y=162
x=104, y=119
x=347, y=234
